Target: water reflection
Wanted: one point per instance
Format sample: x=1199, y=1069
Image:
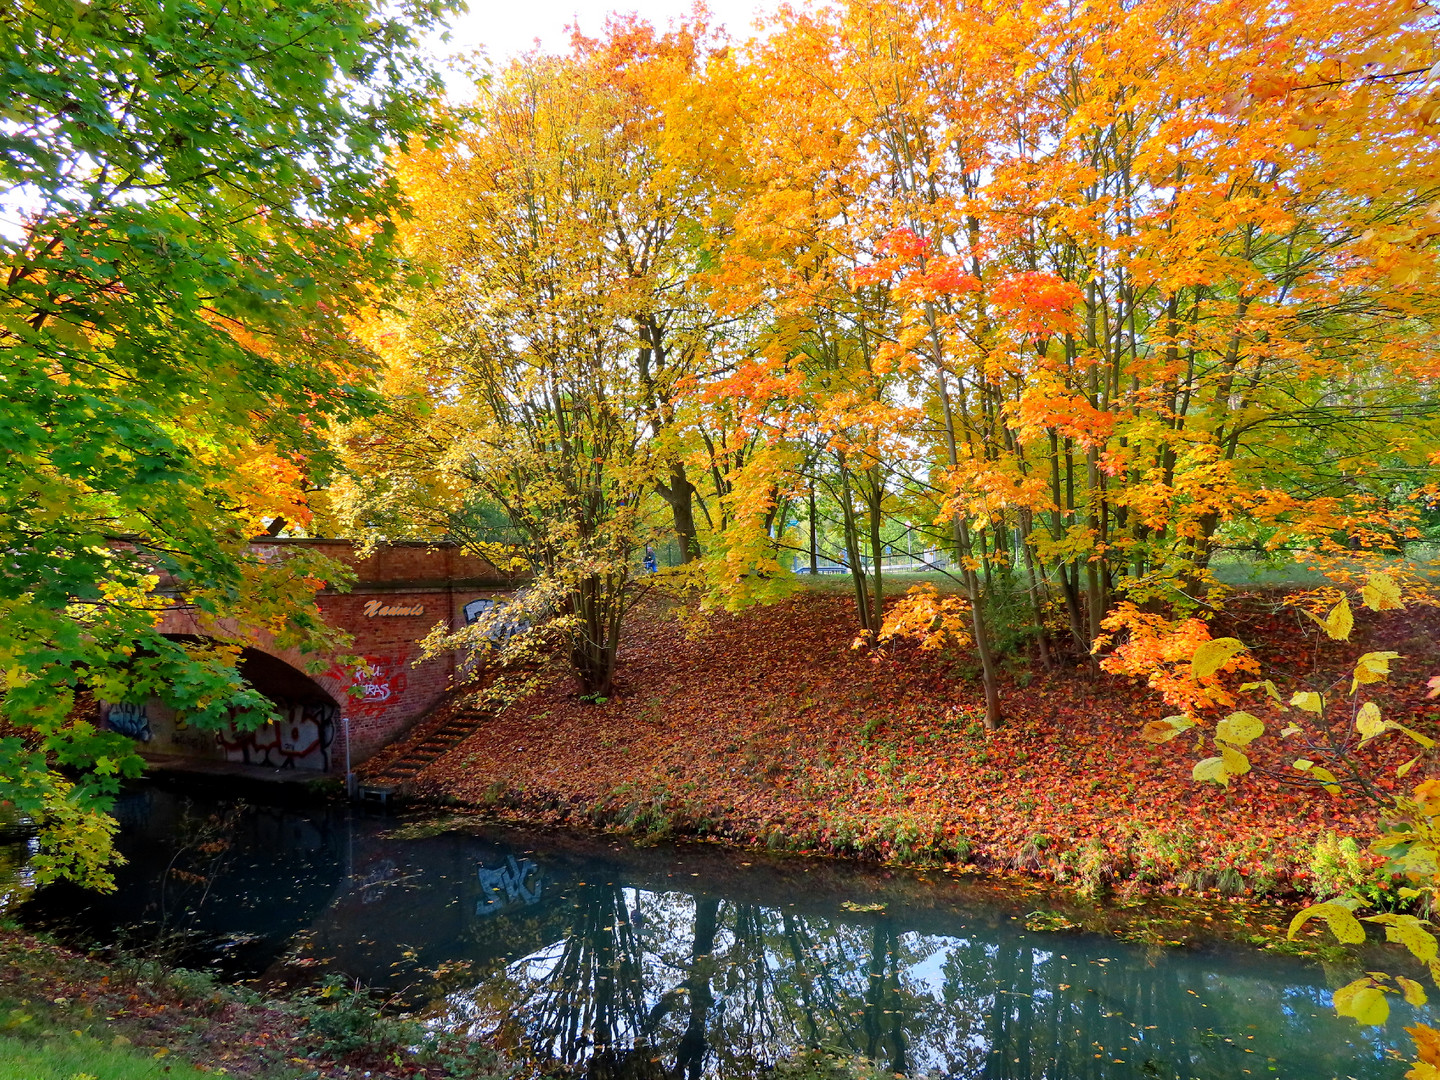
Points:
x=645, y=983
x=605, y=961
x=508, y=885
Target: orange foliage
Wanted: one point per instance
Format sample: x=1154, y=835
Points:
x=1160, y=650
x=924, y=616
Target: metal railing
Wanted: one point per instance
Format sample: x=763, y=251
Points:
x=901, y=562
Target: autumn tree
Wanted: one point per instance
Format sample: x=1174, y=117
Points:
x=544, y=362
x=819, y=245
x=193, y=194
x=1160, y=278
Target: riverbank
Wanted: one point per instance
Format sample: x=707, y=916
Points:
x=890, y=969
x=767, y=729
x=65, y=1014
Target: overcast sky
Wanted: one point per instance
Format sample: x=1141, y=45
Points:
x=505, y=28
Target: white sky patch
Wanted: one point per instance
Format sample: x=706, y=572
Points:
x=504, y=29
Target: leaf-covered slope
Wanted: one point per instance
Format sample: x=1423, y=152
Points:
x=768, y=728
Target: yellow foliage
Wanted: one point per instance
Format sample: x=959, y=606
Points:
x=924, y=616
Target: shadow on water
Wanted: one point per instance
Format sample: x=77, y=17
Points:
x=591, y=958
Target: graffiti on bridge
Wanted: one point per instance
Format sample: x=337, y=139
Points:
x=373, y=684
x=373, y=883
x=506, y=886
x=502, y=623
x=301, y=740
x=128, y=719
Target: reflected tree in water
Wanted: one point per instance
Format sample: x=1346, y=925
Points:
x=665, y=985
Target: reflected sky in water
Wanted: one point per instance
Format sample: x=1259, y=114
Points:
x=588, y=957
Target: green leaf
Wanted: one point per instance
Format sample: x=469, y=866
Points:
x=1212, y=655
x=1364, y=1001
x=1239, y=729
x=158, y=155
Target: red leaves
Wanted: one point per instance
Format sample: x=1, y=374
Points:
x=905, y=246
x=946, y=277
x=1039, y=304
x=767, y=724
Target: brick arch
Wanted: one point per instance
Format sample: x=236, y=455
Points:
x=333, y=680
x=396, y=595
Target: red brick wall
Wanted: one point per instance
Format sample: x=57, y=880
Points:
x=436, y=582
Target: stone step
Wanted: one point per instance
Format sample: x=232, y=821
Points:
x=458, y=727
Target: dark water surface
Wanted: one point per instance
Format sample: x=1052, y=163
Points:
x=587, y=956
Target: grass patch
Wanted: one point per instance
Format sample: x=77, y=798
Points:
x=67, y=1056
x=68, y=1016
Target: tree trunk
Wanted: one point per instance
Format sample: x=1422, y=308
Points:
x=1037, y=609
x=594, y=648
x=965, y=557
x=691, y=1050
x=852, y=552
x=679, y=493
x=993, y=717
x=814, y=546
x=877, y=550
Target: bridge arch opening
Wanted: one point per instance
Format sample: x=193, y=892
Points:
x=302, y=738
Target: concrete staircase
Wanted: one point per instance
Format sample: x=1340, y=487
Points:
x=398, y=765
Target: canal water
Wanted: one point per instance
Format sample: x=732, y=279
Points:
x=583, y=956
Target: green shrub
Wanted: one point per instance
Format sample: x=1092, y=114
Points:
x=345, y=1018
x=1338, y=868
x=1335, y=866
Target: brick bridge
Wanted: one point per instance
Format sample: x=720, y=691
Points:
x=342, y=715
